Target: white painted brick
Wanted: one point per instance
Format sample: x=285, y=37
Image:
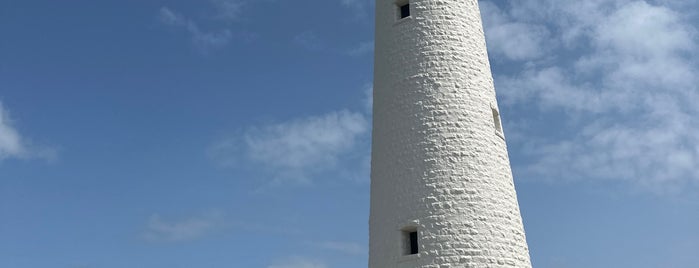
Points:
x=437, y=162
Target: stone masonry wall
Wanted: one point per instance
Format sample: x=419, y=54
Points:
x=438, y=163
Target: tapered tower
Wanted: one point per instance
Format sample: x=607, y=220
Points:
x=442, y=193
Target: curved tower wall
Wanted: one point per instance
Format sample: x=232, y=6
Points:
x=439, y=161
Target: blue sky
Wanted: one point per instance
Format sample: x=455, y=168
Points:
x=236, y=133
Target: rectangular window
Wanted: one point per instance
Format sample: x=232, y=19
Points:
x=413, y=242
x=402, y=9
x=496, y=121
x=410, y=241
x=405, y=11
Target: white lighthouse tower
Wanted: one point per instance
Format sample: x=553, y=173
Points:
x=442, y=193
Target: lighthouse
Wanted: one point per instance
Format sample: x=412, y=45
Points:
x=442, y=191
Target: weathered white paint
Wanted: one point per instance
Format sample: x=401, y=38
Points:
x=438, y=162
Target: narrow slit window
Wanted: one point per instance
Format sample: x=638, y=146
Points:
x=410, y=241
x=413, y=242
x=405, y=10
x=402, y=9
x=496, y=121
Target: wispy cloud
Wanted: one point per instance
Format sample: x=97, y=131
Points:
x=159, y=230
x=511, y=39
x=13, y=145
x=300, y=148
x=224, y=10
x=623, y=86
x=298, y=262
x=228, y=10
x=10, y=140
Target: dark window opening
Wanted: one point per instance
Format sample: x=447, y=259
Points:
x=404, y=11
x=413, y=242
x=410, y=244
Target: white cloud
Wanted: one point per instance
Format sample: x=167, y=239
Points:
x=169, y=17
x=186, y=229
x=624, y=87
x=10, y=140
x=299, y=262
x=303, y=150
x=227, y=10
x=305, y=146
x=12, y=145
x=203, y=40
x=511, y=39
x=296, y=150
